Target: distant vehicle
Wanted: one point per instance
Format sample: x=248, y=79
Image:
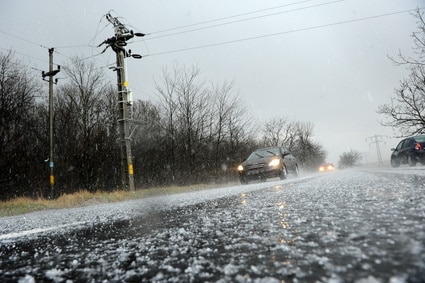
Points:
x=266, y=163
x=409, y=151
x=326, y=167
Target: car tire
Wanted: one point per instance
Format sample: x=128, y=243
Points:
x=411, y=161
x=394, y=163
x=284, y=173
x=244, y=181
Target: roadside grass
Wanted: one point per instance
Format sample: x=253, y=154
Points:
x=24, y=205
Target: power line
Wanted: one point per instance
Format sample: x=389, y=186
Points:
x=65, y=66
x=73, y=46
x=41, y=45
x=28, y=65
x=85, y=58
x=218, y=43
x=25, y=55
x=231, y=17
x=56, y=47
x=246, y=19
x=282, y=33
x=23, y=39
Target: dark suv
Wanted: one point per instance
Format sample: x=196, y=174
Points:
x=268, y=163
x=409, y=151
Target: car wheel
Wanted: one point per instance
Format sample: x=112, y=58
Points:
x=411, y=161
x=244, y=181
x=394, y=163
x=284, y=173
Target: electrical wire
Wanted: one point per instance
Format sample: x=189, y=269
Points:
x=25, y=65
x=246, y=19
x=231, y=17
x=26, y=55
x=97, y=32
x=218, y=43
x=23, y=39
x=282, y=33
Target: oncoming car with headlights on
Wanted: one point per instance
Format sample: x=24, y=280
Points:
x=326, y=167
x=266, y=163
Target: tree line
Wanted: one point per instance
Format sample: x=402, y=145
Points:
x=195, y=131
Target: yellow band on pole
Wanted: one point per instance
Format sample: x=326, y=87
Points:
x=130, y=169
x=52, y=180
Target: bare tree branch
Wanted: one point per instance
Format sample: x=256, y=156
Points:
x=406, y=111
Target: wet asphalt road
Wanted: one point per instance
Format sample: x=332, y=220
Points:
x=348, y=226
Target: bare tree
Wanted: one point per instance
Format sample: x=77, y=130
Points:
x=19, y=157
x=148, y=144
x=193, y=104
x=308, y=152
x=85, y=117
x=406, y=111
x=418, y=44
x=166, y=92
x=228, y=123
x=279, y=131
x=349, y=159
x=202, y=124
x=297, y=137
x=17, y=98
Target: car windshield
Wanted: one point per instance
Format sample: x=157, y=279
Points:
x=266, y=152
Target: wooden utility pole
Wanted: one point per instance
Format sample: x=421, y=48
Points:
x=117, y=43
x=124, y=119
x=51, y=73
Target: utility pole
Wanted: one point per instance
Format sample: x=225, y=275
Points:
x=117, y=43
x=376, y=139
x=51, y=73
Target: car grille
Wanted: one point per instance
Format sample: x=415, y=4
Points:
x=255, y=166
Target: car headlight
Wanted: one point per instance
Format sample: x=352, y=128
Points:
x=240, y=168
x=274, y=162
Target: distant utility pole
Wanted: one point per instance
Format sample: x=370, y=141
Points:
x=376, y=139
x=51, y=73
x=117, y=43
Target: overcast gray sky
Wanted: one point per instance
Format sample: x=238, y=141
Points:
x=319, y=61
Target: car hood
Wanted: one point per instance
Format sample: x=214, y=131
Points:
x=263, y=160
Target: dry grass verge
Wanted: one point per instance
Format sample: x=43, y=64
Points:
x=24, y=205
